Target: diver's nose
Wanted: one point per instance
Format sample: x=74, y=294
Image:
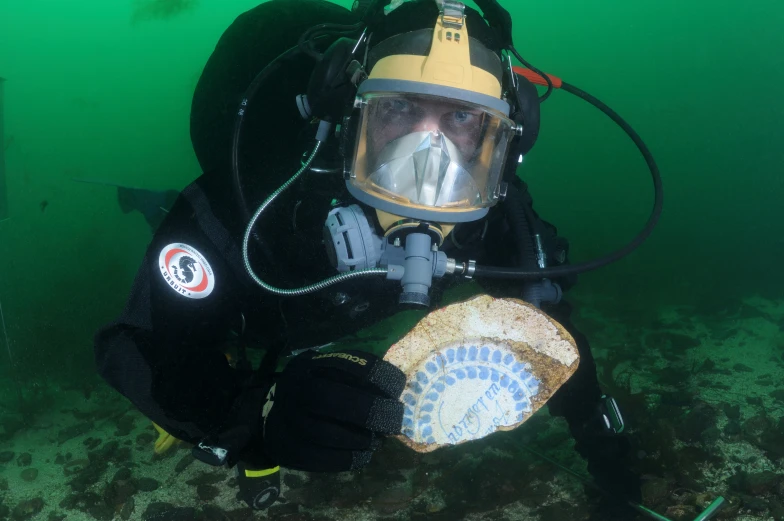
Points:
x=428, y=124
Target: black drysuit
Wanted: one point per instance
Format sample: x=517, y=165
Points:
x=165, y=350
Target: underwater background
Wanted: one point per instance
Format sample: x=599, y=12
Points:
x=687, y=329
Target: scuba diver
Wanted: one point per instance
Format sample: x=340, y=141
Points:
x=356, y=163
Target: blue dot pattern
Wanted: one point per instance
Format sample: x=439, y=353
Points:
x=453, y=365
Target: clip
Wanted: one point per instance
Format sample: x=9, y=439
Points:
x=452, y=13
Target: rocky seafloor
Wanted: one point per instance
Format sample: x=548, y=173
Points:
x=702, y=391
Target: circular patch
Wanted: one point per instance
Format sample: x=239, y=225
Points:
x=465, y=392
x=186, y=271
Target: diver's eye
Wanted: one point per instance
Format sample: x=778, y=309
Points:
x=391, y=106
x=462, y=117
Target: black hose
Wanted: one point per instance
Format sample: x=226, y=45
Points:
x=565, y=271
x=549, y=90
x=305, y=42
x=271, y=68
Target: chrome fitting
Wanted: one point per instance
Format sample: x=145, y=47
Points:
x=502, y=190
x=469, y=272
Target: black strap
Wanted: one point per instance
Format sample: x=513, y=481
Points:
x=214, y=230
x=499, y=19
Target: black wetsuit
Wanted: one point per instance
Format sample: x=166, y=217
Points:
x=165, y=351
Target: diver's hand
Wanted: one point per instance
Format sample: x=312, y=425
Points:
x=327, y=411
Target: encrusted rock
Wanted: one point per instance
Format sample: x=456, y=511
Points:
x=6, y=456
x=122, y=475
x=732, y=428
x=125, y=425
x=732, y=411
x=278, y=510
x=392, y=500
x=292, y=480
x=27, y=509
x=776, y=510
x=558, y=511
x=184, y=463
x=755, y=504
x=701, y=417
x=244, y=514
x=92, y=443
x=25, y=459
x=730, y=508
x=207, y=478
x=74, y=431
x=118, y=492
x=167, y=512
x=655, y=490
x=213, y=513
x=207, y=492
x=144, y=438
x=127, y=509
x=755, y=484
x=29, y=474
x=681, y=512
x=75, y=466
x=146, y=484
x=711, y=435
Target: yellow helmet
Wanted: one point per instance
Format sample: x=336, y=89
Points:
x=433, y=128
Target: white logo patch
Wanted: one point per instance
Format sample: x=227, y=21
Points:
x=186, y=271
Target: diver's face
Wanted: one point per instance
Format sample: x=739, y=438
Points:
x=392, y=118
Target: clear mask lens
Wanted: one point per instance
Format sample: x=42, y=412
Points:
x=430, y=152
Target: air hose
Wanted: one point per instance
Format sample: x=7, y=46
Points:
x=536, y=77
x=573, y=269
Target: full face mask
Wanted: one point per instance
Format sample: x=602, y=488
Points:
x=431, y=139
x=427, y=157
x=432, y=132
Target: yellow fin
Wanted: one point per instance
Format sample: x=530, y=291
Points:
x=165, y=440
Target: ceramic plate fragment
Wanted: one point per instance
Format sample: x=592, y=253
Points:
x=479, y=366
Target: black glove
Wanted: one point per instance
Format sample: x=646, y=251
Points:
x=326, y=412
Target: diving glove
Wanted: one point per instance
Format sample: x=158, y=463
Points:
x=327, y=412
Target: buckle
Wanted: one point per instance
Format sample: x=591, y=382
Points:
x=452, y=14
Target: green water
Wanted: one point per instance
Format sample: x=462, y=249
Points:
x=95, y=92
x=102, y=90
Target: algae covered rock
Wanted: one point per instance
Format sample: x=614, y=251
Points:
x=655, y=490
x=701, y=418
x=207, y=492
x=29, y=474
x=27, y=509
x=754, y=484
x=25, y=459
x=146, y=484
x=167, y=512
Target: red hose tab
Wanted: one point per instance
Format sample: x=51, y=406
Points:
x=535, y=78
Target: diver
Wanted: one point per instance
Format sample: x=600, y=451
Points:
x=419, y=121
